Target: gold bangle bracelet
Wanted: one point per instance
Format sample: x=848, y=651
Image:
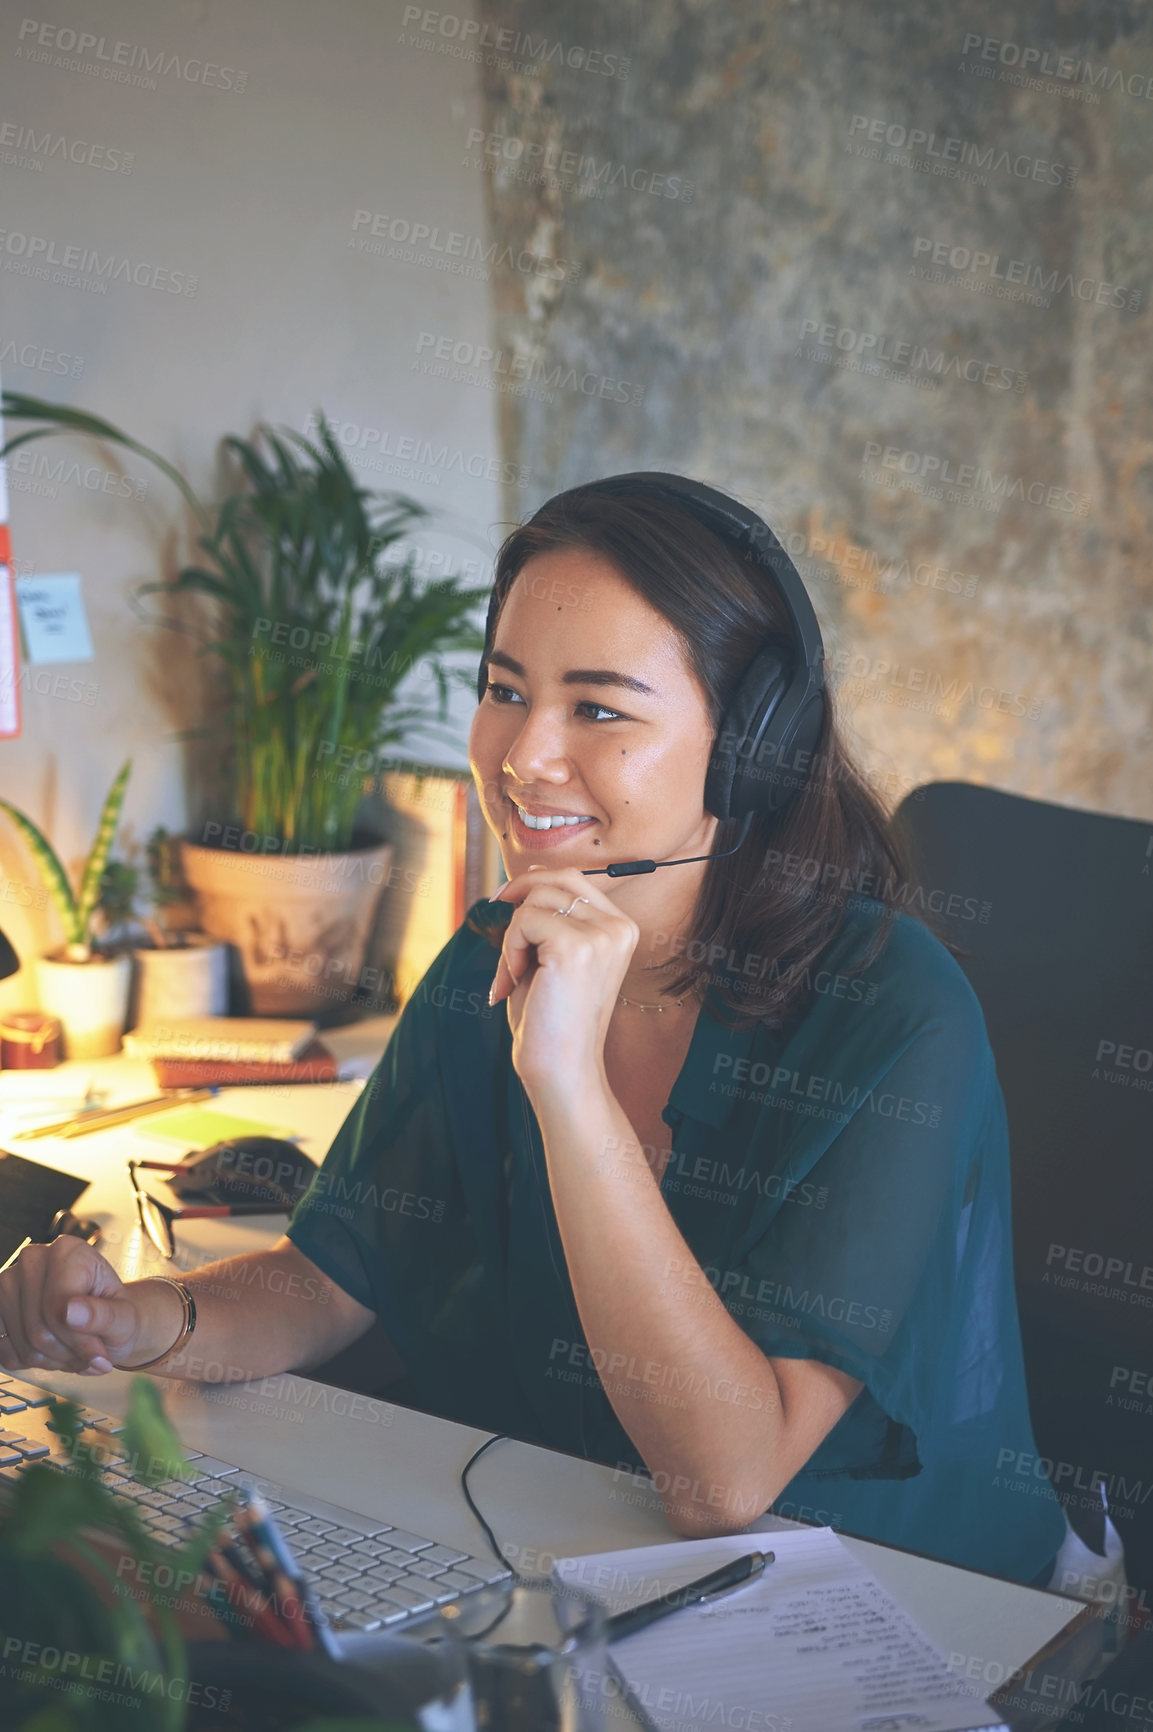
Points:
x=187, y=1327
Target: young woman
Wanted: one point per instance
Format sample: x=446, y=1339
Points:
x=702, y=1171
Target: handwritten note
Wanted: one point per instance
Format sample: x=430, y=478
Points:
x=815, y=1644
x=52, y=614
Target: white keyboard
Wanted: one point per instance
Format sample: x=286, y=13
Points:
x=364, y=1573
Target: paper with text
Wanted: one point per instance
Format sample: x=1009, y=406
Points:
x=815, y=1644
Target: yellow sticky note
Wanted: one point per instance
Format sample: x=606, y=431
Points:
x=199, y=1127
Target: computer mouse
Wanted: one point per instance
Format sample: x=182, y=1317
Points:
x=246, y=1170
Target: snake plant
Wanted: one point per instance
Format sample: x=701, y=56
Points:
x=76, y=910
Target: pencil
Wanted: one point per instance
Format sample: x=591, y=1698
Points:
x=263, y=1522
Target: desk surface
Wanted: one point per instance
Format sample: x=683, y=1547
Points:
x=404, y=1466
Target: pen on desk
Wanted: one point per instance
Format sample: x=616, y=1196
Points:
x=723, y=1581
x=95, y=1119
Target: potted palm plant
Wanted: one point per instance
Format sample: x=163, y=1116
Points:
x=82, y=984
x=315, y=628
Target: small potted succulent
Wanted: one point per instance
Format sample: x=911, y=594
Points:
x=82, y=983
x=179, y=971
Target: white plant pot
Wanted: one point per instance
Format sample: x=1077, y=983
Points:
x=177, y=982
x=91, y=1000
x=300, y=922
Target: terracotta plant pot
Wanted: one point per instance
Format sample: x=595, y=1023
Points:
x=182, y=980
x=90, y=999
x=300, y=923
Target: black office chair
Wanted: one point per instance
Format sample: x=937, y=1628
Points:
x=1054, y=909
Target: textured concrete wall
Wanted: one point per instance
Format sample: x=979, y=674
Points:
x=924, y=358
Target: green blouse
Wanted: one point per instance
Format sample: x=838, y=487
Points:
x=844, y=1189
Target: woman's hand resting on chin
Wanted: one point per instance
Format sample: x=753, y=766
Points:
x=561, y=975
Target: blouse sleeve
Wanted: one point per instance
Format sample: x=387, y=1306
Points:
x=376, y=1215
x=879, y=1282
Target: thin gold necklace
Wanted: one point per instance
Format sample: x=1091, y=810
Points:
x=637, y=1005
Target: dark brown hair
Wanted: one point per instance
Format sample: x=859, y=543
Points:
x=779, y=901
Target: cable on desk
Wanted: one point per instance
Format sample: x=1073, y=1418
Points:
x=471, y=1502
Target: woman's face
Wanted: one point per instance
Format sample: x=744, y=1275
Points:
x=591, y=712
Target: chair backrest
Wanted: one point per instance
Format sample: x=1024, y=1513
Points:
x=1054, y=908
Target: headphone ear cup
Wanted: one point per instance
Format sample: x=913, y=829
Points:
x=736, y=784
x=769, y=778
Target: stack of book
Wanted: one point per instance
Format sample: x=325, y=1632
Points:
x=202, y=1051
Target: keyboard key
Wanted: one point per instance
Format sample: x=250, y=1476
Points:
x=421, y=1567
x=333, y=1514
x=208, y=1466
x=30, y=1450
x=443, y=1555
x=343, y=1537
x=406, y=1541
x=314, y=1528
x=12, y=1404
x=361, y=1621
x=483, y=1572
x=328, y=1552
x=406, y=1598
x=455, y=1580
x=354, y=1598
x=9, y=1456
x=29, y=1393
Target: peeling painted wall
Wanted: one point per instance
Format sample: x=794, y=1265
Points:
x=834, y=259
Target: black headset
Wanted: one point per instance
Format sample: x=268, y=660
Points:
x=767, y=736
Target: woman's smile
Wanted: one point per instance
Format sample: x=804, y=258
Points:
x=549, y=832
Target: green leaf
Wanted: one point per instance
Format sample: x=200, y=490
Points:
x=98, y=858
x=58, y=418
x=48, y=1506
x=149, y=1438
x=52, y=872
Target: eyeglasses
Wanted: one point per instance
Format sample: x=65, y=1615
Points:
x=156, y=1218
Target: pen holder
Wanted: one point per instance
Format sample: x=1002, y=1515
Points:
x=390, y=1681
x=535, y=1656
